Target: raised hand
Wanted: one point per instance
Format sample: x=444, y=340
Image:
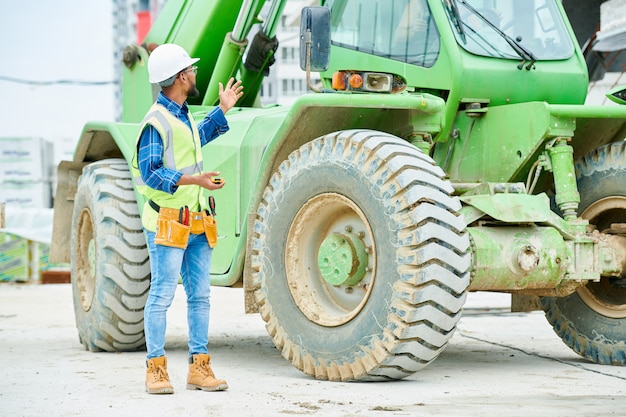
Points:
x=230, y=94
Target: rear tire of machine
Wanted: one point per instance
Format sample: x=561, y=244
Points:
x=109, y=260
x=592, y=320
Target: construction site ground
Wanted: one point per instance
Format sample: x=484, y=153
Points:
x=497, y=363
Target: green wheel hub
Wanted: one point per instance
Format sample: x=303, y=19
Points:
x=342, y=259
x=330, y=259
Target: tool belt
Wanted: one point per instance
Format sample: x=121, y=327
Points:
x=175, y=225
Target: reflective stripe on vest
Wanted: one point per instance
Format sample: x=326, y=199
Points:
x=183, y=154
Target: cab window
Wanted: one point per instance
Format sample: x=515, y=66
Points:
x=482, y=27
x=403, y=30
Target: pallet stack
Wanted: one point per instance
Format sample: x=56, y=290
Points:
x=27, y=172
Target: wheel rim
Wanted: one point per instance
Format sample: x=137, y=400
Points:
x=604, y=297
x=85, y=271
x=330, y=259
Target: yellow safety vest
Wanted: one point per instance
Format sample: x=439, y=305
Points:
x=182, y=152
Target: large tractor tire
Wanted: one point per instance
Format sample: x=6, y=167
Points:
x=360, y=258
x=592, y=320
x=109, y=260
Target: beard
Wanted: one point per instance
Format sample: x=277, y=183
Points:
x=193, y=91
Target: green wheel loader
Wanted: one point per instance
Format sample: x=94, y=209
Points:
x=446, y=149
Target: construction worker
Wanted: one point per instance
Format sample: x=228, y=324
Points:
x=168, y=171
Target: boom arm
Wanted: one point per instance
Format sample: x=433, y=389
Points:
x=260, y=54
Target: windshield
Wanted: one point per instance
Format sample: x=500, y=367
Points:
x=403, y=30
x=535, y=25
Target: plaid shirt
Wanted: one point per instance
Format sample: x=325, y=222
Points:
x=150, y=155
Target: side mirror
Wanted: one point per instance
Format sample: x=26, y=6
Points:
x=617, y=95
x=314, y=39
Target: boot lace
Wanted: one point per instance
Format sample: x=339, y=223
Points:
x=205, y=368
x=160, y=374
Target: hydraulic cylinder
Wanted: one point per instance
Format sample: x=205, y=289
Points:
x=567, y=196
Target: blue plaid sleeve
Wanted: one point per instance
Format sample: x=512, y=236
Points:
x=150, y=159
x=213, y=125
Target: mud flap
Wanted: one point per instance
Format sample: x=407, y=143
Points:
x=68, y=173
x=251, y=305
x=522, y=303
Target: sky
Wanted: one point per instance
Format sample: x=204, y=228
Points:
x=48, y=41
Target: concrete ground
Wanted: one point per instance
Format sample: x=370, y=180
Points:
x=497, y=364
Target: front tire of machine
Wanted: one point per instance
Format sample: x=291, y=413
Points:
x=391, y=200
x=592, y=320
x=109, y=261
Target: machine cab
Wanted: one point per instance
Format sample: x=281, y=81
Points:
x=464, y=48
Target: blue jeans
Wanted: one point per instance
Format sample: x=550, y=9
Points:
x=167, y=264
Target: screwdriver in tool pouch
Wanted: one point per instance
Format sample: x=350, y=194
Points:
x=212, y=205
x=183, y=216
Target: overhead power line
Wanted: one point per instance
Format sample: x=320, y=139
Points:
x=55, y=82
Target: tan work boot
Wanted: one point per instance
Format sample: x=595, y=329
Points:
x=157, y=379
x=201, y=375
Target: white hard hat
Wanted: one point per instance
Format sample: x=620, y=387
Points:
x=167, y=60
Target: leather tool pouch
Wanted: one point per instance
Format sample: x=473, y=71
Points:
x=197, y=223
x=170, y=232
x=210, y=229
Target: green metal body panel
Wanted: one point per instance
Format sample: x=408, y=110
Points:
x=237, y=155
x=502, y=144
x=95, y=141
